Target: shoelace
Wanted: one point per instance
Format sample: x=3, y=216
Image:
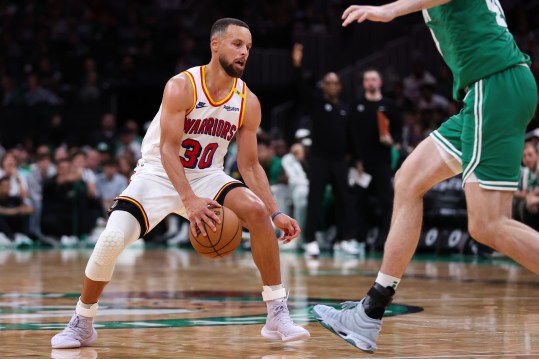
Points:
x=72, y=327
x=73, y=323
x=281, y=314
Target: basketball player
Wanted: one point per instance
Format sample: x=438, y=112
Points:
x=181, y=171
x=484, y=142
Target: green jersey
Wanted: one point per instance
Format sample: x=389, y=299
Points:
x=473, y=38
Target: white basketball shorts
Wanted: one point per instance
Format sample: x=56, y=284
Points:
x=150, y=196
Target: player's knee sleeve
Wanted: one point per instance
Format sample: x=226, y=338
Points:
x=122, y=230
x=109, y=246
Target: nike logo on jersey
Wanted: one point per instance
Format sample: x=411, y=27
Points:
x=230, y=108
x=201, y=104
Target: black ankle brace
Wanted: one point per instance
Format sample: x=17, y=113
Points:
x=378, y=298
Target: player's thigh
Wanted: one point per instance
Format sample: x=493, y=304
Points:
x=152, y=197
x=423, y=169
x=486, y=207
x=498, y=112
x=214, y=185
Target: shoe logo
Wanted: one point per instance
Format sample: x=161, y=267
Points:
x=230, y=108
x=201, y=104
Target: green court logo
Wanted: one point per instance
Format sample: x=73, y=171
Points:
x=160, y=309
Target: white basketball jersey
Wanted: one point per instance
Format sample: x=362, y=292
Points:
x=209, y=127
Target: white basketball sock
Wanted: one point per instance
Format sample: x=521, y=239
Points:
x=387, y=281
x=273, y=292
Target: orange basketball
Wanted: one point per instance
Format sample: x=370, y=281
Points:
x=224, y=240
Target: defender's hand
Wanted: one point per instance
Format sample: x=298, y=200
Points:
x=199, y=212
x=289, y=226
x=361, y=13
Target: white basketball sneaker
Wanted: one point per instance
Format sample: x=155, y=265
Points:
x=279, y=325
x=351, y=323
x=79, y=332
x=312, y=249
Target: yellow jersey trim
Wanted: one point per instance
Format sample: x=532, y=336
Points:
x=195, y=95
x=207, y=93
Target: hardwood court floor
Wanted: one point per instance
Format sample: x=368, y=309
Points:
x=175, y=304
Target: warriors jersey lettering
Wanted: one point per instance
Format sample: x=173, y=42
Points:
x=208, y=129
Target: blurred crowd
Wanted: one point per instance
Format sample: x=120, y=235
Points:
x=55, y=193
x=55, y=51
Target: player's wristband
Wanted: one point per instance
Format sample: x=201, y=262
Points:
x=276, y=214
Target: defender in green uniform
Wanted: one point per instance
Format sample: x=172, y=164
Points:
x=484, y=142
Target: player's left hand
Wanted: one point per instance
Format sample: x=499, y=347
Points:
x=288, y=226
x=361, y=13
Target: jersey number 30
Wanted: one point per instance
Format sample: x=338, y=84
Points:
x=192, y=157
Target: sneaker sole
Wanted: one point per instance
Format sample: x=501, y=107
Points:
x=274, y=335
x=84, y=343
x=340, y=335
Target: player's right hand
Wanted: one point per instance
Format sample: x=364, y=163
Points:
x=199, y=212
x=361, y=13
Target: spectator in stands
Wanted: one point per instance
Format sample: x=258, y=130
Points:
x=90, y=90
x=49, y=75
x=110, y=183
x=125, y=166
x=279, y=147
x=36, y=94
x=40, y=172
x=128, y=143
x=81, y=172
x=293, y=164
x=419, y=76
x=23, y=159
x=104, y=153
x=428, y=100
x=133, y=126
x=377, y=129
x=11, y=96
x=60, y=154
x=276, y=177
x=526, y=204
x=14, y=215
x=9, y=168
x=64, y=198
x=93, y=160
x=106, y=133
x=327, y=162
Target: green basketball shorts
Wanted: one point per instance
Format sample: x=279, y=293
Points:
x=487, y=135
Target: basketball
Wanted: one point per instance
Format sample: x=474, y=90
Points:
x=224, y=240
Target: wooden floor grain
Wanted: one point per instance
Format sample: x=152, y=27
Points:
x=175, y=304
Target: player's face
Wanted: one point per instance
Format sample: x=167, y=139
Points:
x=234, y=47
x=372, y=81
